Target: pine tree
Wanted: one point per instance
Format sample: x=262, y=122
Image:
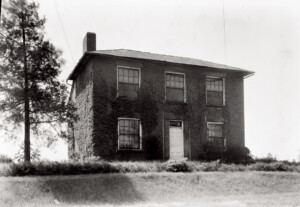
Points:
x=29, y=70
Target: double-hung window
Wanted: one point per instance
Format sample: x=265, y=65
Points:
x=215, y=136
x=129, y=133
x=175, y=87
x=215, y=91
x=128, y=82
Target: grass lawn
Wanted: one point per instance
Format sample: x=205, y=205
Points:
x=154, y=189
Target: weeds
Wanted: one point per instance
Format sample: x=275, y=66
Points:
x=100, y=166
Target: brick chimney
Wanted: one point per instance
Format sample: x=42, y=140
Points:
x=89, y=42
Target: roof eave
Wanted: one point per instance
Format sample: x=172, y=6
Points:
x=86, y=55
x=83, y=57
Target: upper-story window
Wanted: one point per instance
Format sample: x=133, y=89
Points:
x=128, y=82
x=215, y=91
x=175, y=87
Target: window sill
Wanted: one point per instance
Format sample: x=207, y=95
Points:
x=130, y=150
x=175, y=102
x=215, y=106
x=125, y=98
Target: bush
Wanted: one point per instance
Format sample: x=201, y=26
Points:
x=5, y=159
x=64, y=168
x=211, y=166
x=89, y=167
x=274, y=166
x=176, y=166
x=267, y=159
x=237, y=155
x=134, y=167
x=152, y=147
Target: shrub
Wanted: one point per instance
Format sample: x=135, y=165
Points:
x=152, y=147
x=212, y=166
x=237, y=155
x=267, y=159
x=64, y=168
x=34, y=154
x=5, y=159
x=176, y=166
x=89, y=167
x=274, y=166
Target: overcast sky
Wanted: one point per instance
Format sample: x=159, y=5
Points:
x=260, y=36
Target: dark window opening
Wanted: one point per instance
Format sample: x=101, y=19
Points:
x=215, y=91
x=175, y=87
x=215, y=135
x=128, y=82
x=129, y=134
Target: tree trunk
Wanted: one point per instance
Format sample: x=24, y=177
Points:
x=26, y=107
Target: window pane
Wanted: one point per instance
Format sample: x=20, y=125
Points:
x=128, y=83
x=121, y=71
x=175, y=87
x=214, y=98
x=174, y=94
x=214, y=84
x=215, y=136
x=125, y=71
x=129, y=137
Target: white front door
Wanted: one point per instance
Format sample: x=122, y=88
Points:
x=176, y=140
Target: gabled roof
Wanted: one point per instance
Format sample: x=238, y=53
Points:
x=155, y=57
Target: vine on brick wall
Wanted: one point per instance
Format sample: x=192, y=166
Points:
x=108, y=110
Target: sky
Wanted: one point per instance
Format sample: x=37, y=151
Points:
x=262, y=36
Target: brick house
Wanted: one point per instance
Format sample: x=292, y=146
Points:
x=136, y=105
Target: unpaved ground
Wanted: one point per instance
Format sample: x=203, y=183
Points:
x=212, y=189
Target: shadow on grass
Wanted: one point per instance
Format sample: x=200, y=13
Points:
x=94, y=189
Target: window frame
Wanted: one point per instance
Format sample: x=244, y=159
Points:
x=184, y=86
x=140, y=134
x=223, y=136
x=127, y=67
x=215, y=77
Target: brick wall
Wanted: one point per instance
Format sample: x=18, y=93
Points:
x=83, y=128
x=194, y=113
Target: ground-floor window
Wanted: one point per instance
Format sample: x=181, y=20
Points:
x=215, y=135
x=129, y=133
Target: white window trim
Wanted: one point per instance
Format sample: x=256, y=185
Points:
x=184, y=84
x=215, y=77
x=128, y=67
x=140, y=133
x=219, y=123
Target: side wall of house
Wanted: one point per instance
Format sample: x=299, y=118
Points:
x=82, y=96
x=195, y=114
x=235, y=110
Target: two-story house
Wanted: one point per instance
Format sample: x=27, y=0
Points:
x=136, y=105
